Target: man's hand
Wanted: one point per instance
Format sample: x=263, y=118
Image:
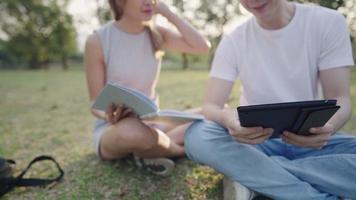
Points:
x=115, y=113
x=250, y=135
x=317, y=139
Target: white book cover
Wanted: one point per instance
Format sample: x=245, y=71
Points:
x=141, y=104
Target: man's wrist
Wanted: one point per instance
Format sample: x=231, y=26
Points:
x=227, y=114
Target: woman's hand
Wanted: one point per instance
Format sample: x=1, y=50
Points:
x=162, y=9
x=250, y=135
x=317, y=139
x=186, y=39
x=115, y=113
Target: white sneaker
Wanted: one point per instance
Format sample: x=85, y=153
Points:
x=235, y=191
x=158, y=166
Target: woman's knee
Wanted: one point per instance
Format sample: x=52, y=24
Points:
x=131, y=132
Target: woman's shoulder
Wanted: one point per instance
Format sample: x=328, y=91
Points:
x=93, y=40
x=104, y=28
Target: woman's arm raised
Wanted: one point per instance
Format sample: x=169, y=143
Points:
x=188, y=40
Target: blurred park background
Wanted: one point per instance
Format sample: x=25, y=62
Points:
x=44, y=107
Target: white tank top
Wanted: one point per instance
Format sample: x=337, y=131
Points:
x=129, y=59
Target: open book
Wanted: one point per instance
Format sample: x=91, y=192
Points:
x=143, y=106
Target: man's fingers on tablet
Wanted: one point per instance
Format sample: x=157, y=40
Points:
x=316, y=142
x=264, y=134
x=244, y=131
x=322, y=130
x=252, y=136
x=268, y=131
x=261, y=139
x=290, y=141
x=244, y=141
x=233, y=128
x=295, y=137
x=254, y=141
x=321, y=137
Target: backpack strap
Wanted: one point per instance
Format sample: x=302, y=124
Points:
x=9, y=183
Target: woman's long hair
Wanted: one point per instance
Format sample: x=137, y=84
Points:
x=155, y=36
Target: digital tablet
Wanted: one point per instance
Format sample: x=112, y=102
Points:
x=297, y=117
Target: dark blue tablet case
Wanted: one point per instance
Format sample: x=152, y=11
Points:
x=297, y=117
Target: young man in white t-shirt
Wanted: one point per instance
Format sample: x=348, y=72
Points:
x=280, y=55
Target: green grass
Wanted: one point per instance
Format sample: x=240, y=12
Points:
x=47, y=112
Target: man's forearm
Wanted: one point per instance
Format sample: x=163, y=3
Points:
x=343, y=114
x=217, y=114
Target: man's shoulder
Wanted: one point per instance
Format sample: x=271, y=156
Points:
x=318, y=13
x=241, y=29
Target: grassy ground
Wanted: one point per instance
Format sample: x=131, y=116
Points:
x=47, y=113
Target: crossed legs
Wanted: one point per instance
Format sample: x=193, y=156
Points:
x=132, y=135
x=276, y=169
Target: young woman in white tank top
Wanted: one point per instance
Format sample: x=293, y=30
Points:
x=128, y=51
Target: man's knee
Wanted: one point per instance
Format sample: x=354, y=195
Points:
x=196, y=141
x=193, y=133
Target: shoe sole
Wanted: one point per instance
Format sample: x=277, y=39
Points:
x=235, y=191
x=168, y=164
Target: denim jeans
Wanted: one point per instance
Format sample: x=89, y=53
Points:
x=277, y=169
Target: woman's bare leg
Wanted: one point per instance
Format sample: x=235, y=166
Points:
x=176, y=133
x=131, y=135
x=165, y=147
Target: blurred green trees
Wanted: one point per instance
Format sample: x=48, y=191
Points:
x=212, y=16
x=5, y=57
x=347, y=8
x=103, y=12
x=209, y=17
x=38, y=31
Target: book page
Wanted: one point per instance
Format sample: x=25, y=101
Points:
x=138, y=94
x=173, y=117
x=118, y=94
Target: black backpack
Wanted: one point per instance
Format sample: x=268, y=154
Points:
x=8, y=182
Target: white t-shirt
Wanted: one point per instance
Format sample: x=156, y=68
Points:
x=282, y=65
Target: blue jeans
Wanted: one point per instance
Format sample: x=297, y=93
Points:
x=277, y=169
